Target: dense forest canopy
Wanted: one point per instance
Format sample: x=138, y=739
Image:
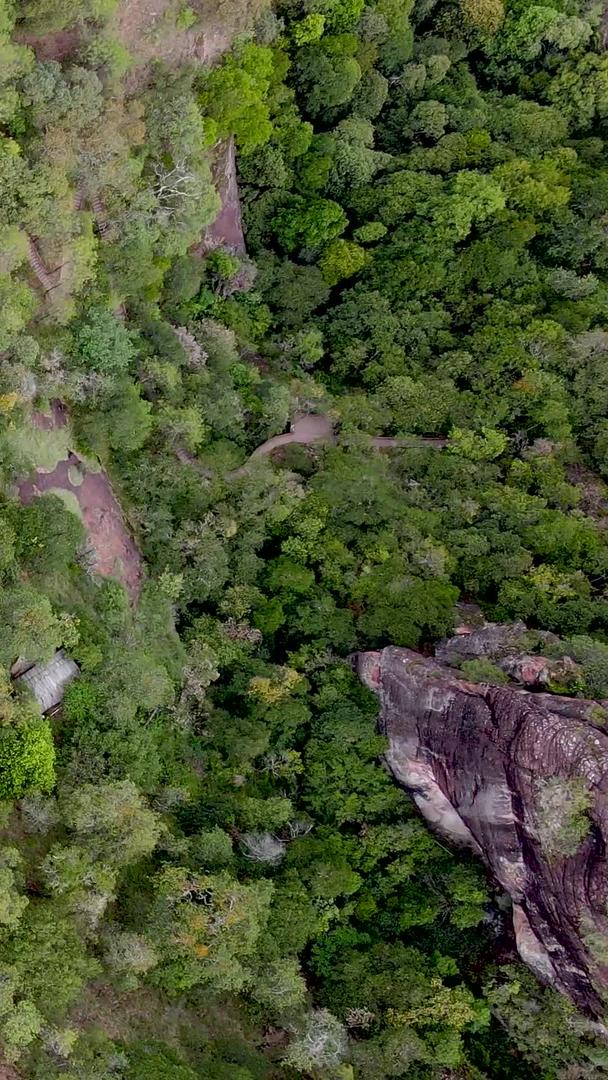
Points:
x=205, y=871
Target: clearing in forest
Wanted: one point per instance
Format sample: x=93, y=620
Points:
x=158, y=30
x=116, y=554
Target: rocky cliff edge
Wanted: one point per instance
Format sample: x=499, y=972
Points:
x=522, y=778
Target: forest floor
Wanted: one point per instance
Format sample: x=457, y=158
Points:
x=7, y=1072
x=147, y=28
x=57, y=45
x=150, y=30
x=90, y=494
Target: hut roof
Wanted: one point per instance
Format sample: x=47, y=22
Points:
x=48, y=682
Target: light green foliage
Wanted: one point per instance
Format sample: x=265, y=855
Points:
x=207, y=942
x=422, y=406
x=18, y=305
x=223, y=264
x=157, y=1062
x=341, y=259
x=12, y=902
x=309, y=223
x=339, y=15
x=484, y=671
x=279, y=986
x=477, y=447
x=47, y=959
x=427, y=120
x=31, y=627
x=20, y=1027
x=212, y=849
x=548, y=1040
x=33, y=447
x=187, y=17
x=122, y=425
x=484, y=15
x=593, y=659
x=562, y=815
x=47, y=537
x=309, y=29
x=112, y=821
x=69, y=500
x=108, y=56
x=27, y=758
x=235, y=96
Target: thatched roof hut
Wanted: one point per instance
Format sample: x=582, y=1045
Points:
x=48, y=682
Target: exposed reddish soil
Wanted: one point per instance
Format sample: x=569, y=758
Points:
x=116, y=553
x=57, y=418
x=593, y=492
x=7, y=1072
x=227, y=229
x=57, y=45
x=149, y=32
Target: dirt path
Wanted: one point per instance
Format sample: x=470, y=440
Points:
x=316, y=428
x=308, y=429
x=116, y=553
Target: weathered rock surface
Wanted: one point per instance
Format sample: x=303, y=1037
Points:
x=522, y=778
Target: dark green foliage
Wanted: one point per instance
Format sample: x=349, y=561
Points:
x=48, y=535
x=228, y=884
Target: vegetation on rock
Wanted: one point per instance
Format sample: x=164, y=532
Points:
x=206, y=871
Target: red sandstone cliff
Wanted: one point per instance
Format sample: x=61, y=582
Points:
x=523, y=779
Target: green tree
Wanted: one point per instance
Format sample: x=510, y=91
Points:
x=207, y=942
x=484, y=15
x=101, y=343
x=308, y=223
x=235, y=95
x=341, y=259
x=32, y=628
x=112, y=821
x=327, y=75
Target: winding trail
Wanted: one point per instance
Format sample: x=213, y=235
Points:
x=318, y=428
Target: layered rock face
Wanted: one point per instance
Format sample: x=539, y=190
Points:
x=522, y=778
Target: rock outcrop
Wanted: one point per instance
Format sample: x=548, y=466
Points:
x=522, y=778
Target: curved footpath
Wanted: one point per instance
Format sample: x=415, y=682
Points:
x=318, y=428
